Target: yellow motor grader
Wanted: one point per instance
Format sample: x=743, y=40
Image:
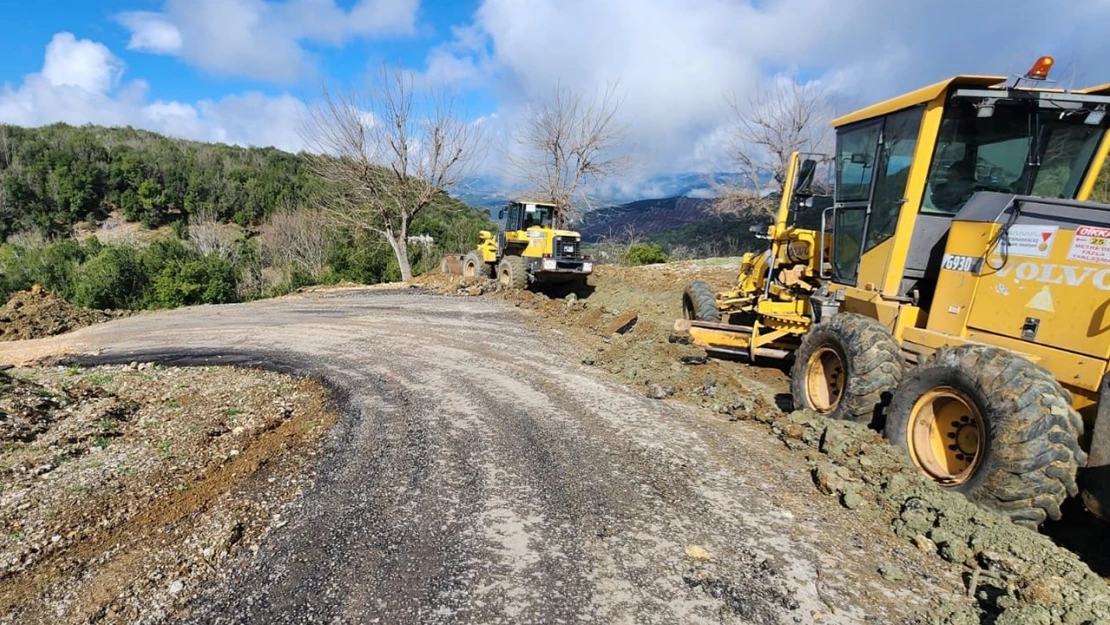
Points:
x=530, y=250
x=955, y=292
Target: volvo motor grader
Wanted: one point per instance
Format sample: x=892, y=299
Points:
x=954, y=290
x=529, y=249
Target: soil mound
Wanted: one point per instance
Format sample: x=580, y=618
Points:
x=37, y=313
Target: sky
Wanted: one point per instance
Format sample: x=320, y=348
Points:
x=244, y=71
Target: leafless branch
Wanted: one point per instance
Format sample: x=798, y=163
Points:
x=295, y=238
x=386, y=154
x=211, y=237
x=567, y=146
x=770, y=125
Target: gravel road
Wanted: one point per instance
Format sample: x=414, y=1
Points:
x=480, y=474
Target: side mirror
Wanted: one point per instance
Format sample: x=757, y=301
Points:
x=803, y=186
x=760, y=231
x=501, y=214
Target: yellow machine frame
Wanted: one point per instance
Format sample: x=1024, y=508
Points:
x=780, y=315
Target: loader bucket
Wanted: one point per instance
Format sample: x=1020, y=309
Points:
x=452, y=264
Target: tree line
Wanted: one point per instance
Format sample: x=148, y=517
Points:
x=54, y=177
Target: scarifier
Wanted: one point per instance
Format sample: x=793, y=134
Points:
x=954, y=289
x=530, y=250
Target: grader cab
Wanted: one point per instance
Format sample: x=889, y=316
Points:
x=956, y=293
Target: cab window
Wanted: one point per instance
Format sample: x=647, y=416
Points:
x=899, y=142
x=855, y=162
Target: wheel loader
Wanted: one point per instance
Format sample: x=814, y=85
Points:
x=954, y=290
x=529, y=250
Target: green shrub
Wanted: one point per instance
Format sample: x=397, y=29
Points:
x=644, y=254
x=55, y=266
x=207, y=280
x=111, y=279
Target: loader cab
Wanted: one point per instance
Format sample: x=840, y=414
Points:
x=524, y=215
x=907, y=167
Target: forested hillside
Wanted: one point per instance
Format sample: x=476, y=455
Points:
x=56, y=176
x=245, y=221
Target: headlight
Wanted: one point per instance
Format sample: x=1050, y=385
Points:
x=549, y=265
x=587, y=266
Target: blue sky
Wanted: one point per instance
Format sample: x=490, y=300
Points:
x=245, y=71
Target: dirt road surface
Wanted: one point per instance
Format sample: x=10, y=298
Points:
x=480, y=474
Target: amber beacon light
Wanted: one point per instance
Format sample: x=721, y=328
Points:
x=1040, y=69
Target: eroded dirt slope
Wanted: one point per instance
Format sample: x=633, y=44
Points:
x=123, y=489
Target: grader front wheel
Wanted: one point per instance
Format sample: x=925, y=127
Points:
x=845, y=368
x=699, y=303
x=989, y=424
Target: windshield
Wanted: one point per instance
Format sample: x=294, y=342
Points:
x=536, y=215
x=1020, y=149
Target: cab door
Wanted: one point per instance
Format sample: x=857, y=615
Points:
x=873, y=164
x=856, y=150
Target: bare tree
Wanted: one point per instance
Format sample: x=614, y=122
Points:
x=296, y=237
x=212, y=237
x=567, y=146
x=387, y=154
x=770, y=125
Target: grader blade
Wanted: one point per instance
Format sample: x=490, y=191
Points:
x=724, y=339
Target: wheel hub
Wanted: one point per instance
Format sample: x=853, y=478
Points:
x=825, y=379
x=947, y=436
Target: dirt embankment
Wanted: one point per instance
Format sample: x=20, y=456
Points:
x=123, y=489
x=37, y=313
x=623, y=326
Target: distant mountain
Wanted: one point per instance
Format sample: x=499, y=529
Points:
x=643, y=218
x=491, y=192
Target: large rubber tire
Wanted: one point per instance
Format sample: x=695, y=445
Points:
x=512, y=272
x=474, y=267
x=699, y=303
x=1030, y=448
x=867, y=366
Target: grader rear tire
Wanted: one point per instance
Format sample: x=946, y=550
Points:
x=474, y=267
x=846, y=369
x=512, y=272
x=699, y=303
x=993, y=426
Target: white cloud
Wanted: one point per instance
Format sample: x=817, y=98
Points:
x=80, y=83
x=261, y=39
x=675, y=60
x=151, y=32
x=84, y=64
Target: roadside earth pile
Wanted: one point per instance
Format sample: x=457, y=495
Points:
x=1014, y=575
x=37, y=313
x=123, y=489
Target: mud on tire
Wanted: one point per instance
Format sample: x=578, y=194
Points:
x=871, y=367
x=1031, y=451
x=512, y=272
x=474, y=267
x=699, y=303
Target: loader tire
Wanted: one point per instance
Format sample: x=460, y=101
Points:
x=993, y=426
x=699, y=303
x=474, y=267
x=846, y=369
x=512, y=272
